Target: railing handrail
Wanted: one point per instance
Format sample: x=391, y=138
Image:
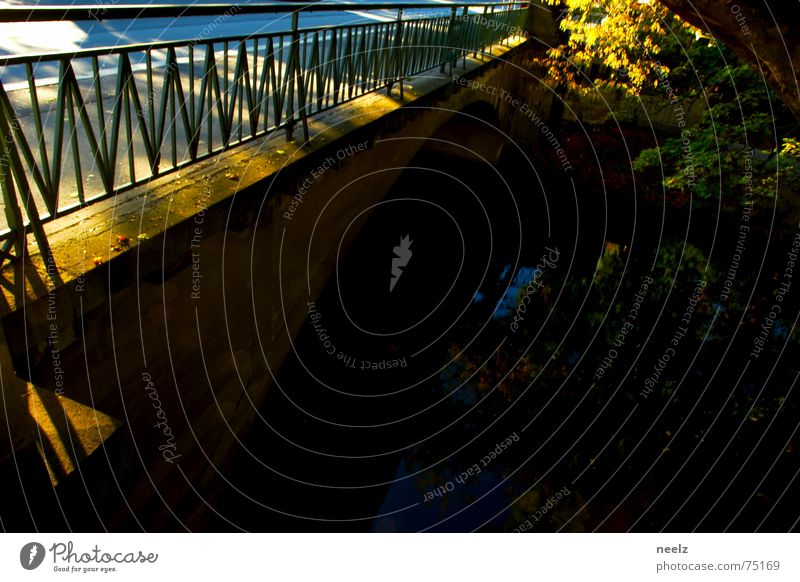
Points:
x=22, y=58
x=136, y=11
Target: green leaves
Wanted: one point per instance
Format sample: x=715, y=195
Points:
x=742, y=137
x=738, y=141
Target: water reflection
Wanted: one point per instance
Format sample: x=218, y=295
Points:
x=537, y=419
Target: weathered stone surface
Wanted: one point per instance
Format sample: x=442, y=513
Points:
x=179, y=334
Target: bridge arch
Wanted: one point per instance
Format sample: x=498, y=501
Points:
x=471, y=133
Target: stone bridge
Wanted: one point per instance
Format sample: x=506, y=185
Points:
x=135, y=376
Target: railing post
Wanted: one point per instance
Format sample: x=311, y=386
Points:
x=491, y=8
x=14, y=219
x=395, y=60
x=301, y=86
x=399, y=49
x=10, y=206
x=466, y=41
x=295, y=72
x=484, y=35
x=507, y=23
x=453, y=39
x=13, y=170
x=450, y=41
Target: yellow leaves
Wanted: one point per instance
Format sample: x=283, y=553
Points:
x=623, y=35
x=591, y=35
x=790, y=148
x=656, y=28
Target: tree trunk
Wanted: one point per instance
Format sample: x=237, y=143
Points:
x=764, y=33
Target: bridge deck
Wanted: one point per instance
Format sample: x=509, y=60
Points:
x=87, y=240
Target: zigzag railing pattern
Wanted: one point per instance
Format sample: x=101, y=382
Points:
x=76, y=128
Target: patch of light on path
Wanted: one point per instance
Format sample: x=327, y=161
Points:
x=40, y=37
x=372, y=16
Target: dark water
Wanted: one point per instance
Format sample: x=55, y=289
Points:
x=620, y=394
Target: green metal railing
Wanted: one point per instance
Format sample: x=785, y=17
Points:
x=79, y=127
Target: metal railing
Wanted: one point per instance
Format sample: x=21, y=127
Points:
x=79, y=127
